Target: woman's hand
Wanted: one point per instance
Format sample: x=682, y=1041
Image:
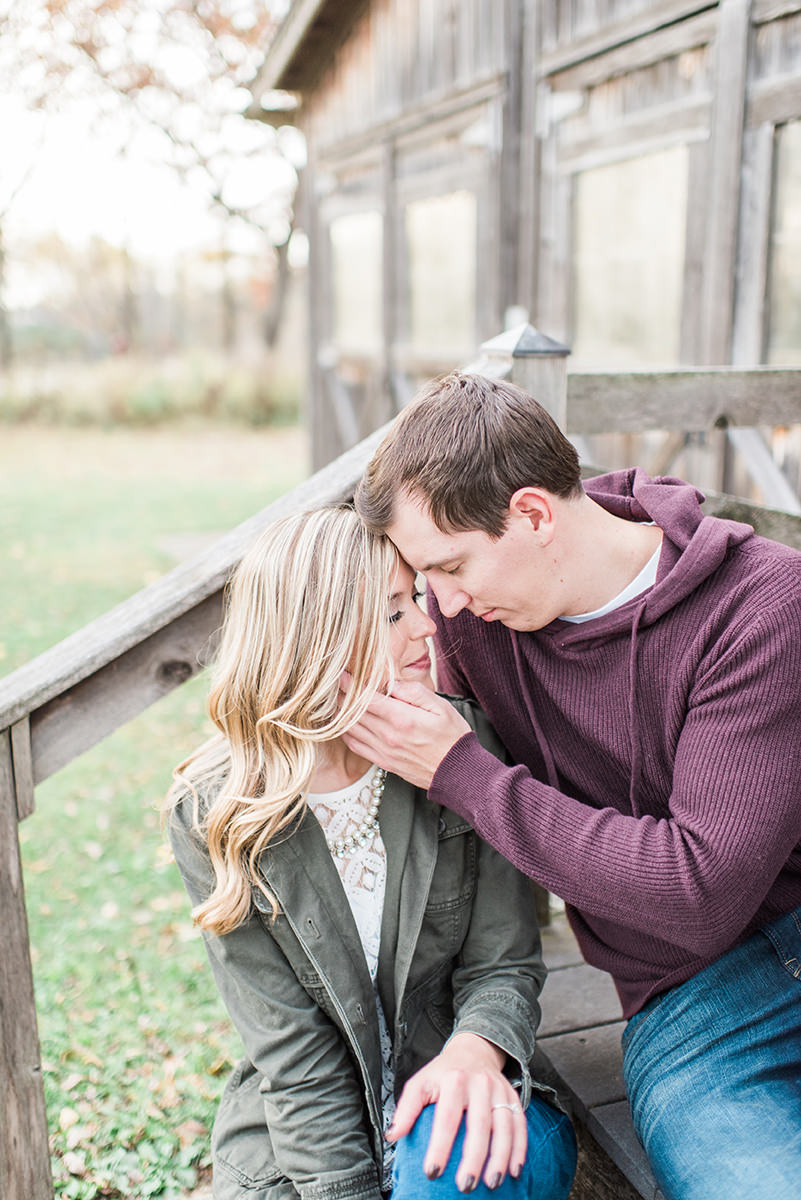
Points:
x=467, y=1078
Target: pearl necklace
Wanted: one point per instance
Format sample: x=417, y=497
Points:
x=366, y=831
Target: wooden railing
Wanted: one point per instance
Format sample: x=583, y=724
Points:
x=63, y=702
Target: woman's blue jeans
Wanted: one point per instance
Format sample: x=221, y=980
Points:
x=713, y=1074
x=547, y=1174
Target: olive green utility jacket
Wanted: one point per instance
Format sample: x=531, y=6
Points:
x=460, y=951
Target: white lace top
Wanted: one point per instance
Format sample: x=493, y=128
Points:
x=363, y=872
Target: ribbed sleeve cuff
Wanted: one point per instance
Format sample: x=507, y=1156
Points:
x=465, y=775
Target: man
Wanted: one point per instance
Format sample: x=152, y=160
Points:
x=642, y=663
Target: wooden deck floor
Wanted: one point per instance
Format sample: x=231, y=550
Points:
x=580, y=1036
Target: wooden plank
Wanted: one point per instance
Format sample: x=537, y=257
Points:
x=685, y=399
x=283, y=48
x=643, y=132
x=557, y=194
x=768, y=522
x=731, y=57
x=766, y=473
x=22, y=762
x=417, y=118
x=588, y=1060
x=506, y=250
x=611, y=1127
x=589, y=1063
x=24, y=1152
x=155, y=607
x=694, y=249
x=559, y=947
x=620, y=32
x=342, y=408
x=390, y=319
x=598, y=1177
x=578, y=998
x=754, y=242
x=770, y=10
x=530, y=150
x=652, y=48
x=775, y=100
x=83, y=715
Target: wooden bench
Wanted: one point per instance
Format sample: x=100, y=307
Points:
x=580, y=1037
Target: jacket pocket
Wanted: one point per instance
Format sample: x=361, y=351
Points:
x=456, y=873
x=785, y=935
x=244, y=1163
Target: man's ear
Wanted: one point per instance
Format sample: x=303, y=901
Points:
x=536, y=506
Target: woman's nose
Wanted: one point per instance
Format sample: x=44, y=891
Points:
x=427, y=627
x=423, y=626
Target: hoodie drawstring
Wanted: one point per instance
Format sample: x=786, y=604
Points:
x=634, y=731
x=545, y=749
x=636, y=754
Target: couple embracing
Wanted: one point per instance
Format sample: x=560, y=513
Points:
x=627, y=733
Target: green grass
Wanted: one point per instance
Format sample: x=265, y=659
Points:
x=135, y=1043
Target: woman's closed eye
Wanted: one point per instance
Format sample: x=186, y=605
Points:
x=415, y=598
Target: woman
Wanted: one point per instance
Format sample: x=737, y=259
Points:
x=361, y=938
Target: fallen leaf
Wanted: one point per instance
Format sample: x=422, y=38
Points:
x=68, y=1117
x=189, y=1132
x=74, y=1164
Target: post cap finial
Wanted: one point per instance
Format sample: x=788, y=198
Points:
x=524, y=341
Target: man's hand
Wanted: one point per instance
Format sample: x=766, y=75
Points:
x=408, y=732
x=467, y=1078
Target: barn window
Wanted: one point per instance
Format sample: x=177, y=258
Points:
x=441, y=264
x=356, y=269
x=629, y=260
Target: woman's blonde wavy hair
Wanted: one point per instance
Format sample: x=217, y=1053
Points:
x=308, y=601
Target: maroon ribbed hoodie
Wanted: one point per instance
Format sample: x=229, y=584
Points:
x=659, y=785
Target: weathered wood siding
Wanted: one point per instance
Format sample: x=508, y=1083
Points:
x=402, y=56
x=516, y=102
x=424, y=99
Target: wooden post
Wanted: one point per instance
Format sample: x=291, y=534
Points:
x=538, y=366
x=389, y=282
x=509, y=173
x=22, y=762
x=723, y=196
x=24, y=1153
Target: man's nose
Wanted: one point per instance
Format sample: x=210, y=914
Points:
x=450, y=598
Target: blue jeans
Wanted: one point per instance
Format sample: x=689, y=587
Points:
x=547, y=1174
x=713, y=1074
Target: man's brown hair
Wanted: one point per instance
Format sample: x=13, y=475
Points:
x=464, y=446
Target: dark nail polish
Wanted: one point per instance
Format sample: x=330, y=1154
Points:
x=470, y=1184
x=516, y=1171
x=434, y=1172
x=495, y=1181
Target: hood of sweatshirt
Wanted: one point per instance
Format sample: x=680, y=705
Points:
x=693, y=547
